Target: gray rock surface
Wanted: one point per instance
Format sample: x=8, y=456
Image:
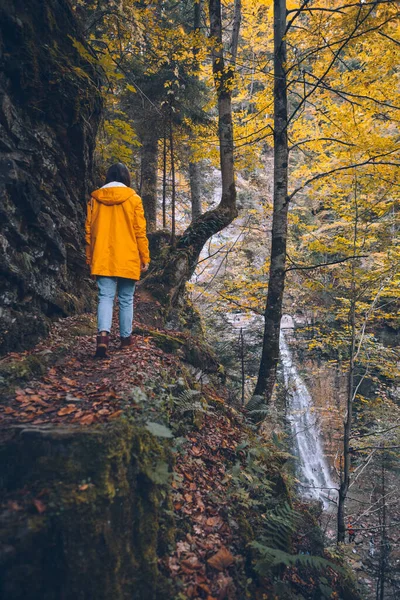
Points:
x=49, y=114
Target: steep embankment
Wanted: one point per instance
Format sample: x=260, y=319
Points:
x=49, y=113
x=133, y=478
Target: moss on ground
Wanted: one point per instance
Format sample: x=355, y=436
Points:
x=106, y=518
x=195, y=352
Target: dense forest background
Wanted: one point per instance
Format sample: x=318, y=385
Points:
x=263, y=140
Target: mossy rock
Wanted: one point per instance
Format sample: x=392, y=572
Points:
x=30, y=366
x=107, y=517
x=194, y=352
x=16, y=372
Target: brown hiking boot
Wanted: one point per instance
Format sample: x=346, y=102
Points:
x=102, y=346
x=126, y=342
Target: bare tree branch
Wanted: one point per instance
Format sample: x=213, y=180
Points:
x=326, y=264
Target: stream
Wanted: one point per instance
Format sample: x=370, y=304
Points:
x=312, y=466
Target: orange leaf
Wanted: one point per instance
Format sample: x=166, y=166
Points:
x=103, y=411
x=192, y=563
x=222, y=559
x=69, y=381
x=87, y=419
x=196, y=451
x=67, y=410
x=214, y=521
x=38, y=504
x=115, y=414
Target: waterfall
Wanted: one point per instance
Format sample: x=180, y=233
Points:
x=312, y=465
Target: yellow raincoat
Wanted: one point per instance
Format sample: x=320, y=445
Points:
x=116, y=242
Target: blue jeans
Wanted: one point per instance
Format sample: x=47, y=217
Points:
x=107, y=289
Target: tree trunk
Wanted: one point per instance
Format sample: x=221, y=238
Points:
x=345, y=475
x=166, y=281
x=237, y=17
x=195, y=167
x=173, y=187
x=273, y=310
x=383, y=556
x=195, y=188
x=149, y=167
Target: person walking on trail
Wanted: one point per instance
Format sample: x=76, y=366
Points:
x=117, y=251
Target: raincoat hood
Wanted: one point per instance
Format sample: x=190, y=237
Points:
x=111, y=195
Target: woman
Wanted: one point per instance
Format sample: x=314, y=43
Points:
x=117, y=251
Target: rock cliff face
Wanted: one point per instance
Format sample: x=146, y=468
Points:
x=327, y=386
x=49, y=113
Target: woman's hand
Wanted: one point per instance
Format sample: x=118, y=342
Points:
x=144, y=267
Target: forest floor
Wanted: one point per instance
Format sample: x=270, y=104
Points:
x=59, y=382
x=71, y=387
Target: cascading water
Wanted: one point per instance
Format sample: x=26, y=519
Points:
x=313, y=468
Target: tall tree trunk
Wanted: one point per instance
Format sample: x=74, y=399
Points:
x=383, y=556
x=348, y=421
x=173, y=186
x=195, y=167
x=345, y=473
x=273, y=310
x=195, y=188
x=149, y=168
x=237, y=17
x=167, y=278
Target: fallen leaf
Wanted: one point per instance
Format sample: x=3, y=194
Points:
x=222, y=559
x=67, y=410
x=115, y=414
x=196, y=451
x=204, y=587
x=39, y=505
x=214, y=521
x=192, y=563
x=103, y=411
x=87, y=419
x=69, y=381
x=78, y=415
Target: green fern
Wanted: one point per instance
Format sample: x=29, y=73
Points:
x=280, y=526
x=277, y=535
x=186, y=402
x=257, y=409
x=272, y=557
